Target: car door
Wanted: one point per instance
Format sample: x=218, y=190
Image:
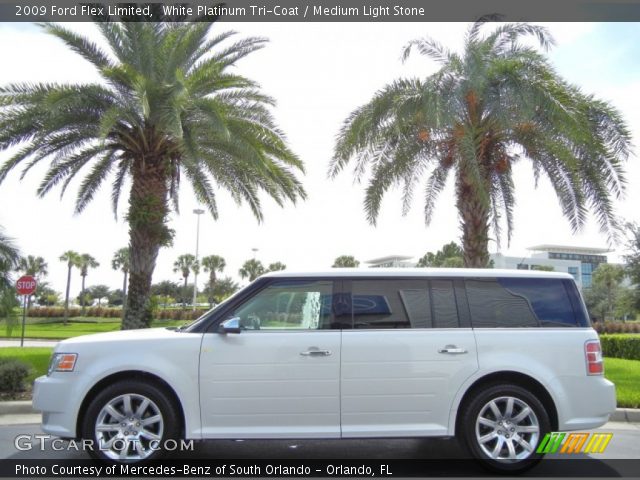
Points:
x=406, y=357
x=279, y=377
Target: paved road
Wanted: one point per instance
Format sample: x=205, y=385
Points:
x=624, y=445
x=28, y=343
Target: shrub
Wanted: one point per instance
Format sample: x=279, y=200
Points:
x=58, y=312
x=12, y=375
x=621, y=346
x=617, y=327
x=52, y=312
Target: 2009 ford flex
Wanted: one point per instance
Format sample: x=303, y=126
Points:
x=495, y=357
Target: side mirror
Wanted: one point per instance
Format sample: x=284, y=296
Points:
x=231, y=325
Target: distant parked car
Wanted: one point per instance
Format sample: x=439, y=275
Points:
x=498, y=358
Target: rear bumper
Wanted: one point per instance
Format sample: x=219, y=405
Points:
x=586, y=402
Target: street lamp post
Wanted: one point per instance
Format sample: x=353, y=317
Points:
x=198, y=212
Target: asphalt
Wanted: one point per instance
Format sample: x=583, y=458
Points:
x=28, y=343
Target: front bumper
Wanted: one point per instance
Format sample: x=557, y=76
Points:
x=52, y=395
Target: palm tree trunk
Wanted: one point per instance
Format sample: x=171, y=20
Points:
x=147, y=233
x=82, y=295
x=212, y=283
x=66, y=298
x=124, y=294
x=474, y=221
x=184, y=294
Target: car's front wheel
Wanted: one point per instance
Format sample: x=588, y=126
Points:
x=130, y=422
x=503, y=426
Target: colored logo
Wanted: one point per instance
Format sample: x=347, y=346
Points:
x=560, y=442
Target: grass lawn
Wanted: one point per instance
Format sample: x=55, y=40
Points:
x=59, y=331
x=626, y=375
x=36, y=357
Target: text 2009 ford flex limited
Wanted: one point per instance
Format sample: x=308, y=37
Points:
x=495, y=357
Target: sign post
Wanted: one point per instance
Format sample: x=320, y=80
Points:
x=25, y=286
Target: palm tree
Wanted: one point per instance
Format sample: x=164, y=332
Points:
x=345, y=261
x=121, y=261
x=85, y=262
x=184, y=265
x=73, y=260
x=251, y=269
x=9, y=258
x=498, y=102
x=213, y=264
x=170, y=106
x=35, y=266
x=276, y=267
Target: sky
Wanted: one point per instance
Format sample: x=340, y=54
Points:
x=318, y=73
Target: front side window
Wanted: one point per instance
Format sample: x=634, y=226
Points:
x=289, y=305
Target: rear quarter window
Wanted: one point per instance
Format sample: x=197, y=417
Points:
x=520, y=302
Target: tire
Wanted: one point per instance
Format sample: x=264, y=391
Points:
x=503, y=425
x=139, y=435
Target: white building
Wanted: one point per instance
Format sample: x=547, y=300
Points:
x=580, y=262
x=391, y=261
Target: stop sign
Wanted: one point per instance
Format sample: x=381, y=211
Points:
x=26, y=285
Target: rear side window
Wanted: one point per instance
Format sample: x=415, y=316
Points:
x=445, y=311
x=388, y=303
x=379, y=303
x=519, y=302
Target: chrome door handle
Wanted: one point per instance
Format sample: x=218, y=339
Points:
x=314, y=352
x=452, y=349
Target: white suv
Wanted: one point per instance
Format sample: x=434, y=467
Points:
x=496, y=357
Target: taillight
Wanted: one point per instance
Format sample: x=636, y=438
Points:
x=593, y=356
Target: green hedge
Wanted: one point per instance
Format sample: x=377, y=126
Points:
x=621, y=346
x=103, y=312
x=617, y=327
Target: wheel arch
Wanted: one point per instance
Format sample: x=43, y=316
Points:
x=516, y=378
x=129, y=375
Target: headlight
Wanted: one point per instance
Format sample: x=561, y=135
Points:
x=62, y=362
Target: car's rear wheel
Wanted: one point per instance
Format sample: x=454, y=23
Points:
x=502, y=427
x=130, y=422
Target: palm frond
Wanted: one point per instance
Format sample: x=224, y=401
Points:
x=116, y=188
x=79, y=44
x=429, y=48
x=92, y=181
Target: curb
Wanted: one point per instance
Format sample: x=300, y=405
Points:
x=17, y=407
x=23, y=407
x=631, y=415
